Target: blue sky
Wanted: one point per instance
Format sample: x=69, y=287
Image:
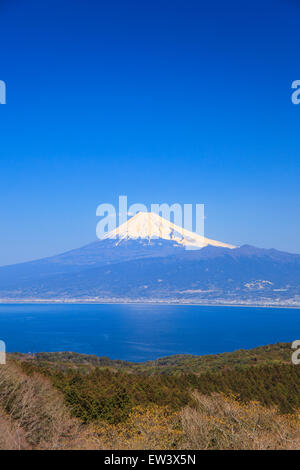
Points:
x=163, y=101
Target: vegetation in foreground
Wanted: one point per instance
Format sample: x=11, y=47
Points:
x=241, y=400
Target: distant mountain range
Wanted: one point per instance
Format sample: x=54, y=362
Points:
x=145, y=260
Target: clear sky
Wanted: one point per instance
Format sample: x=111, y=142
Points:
x=163, y=101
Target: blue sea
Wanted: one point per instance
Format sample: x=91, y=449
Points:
x=143, y=332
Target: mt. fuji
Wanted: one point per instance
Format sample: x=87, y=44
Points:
x=149, y=259
x=149, y=226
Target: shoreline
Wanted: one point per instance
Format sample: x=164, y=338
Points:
x=132, y=302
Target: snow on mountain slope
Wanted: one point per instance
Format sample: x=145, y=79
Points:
x=145, y=259
x=149, y=225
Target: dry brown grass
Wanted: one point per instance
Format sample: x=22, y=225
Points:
x=11, y=436
x=219, y=422
x=215, y=422
x=33, y=414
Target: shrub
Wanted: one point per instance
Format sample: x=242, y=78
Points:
x=220, y=422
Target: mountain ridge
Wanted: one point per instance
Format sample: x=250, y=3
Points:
x=158, y=269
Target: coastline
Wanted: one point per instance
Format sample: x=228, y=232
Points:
x=139, y=302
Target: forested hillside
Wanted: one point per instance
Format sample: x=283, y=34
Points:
x=244, y=399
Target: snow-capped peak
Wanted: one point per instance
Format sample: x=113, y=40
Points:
x=149, y=225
